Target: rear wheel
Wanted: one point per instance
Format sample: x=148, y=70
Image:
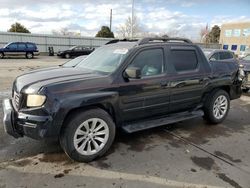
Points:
x=29, y=55
x=88, y=135
x=217, y=106
x=67, y=56
x=1, y=55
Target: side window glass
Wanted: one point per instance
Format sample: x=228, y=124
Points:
x=30, y=46
x=150, y=62
x=184, y=60
x=21, y=46
x=12, y=46
x=214, y=57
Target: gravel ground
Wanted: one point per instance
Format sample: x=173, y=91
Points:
x=186, y=154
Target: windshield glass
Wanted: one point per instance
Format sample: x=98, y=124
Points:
x=105, y=59
x=6, y=45
x=74, y=62
x=207, y=53
x=71, y=48
x=247, y=58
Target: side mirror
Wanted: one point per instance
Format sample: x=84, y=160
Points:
x=132, y=72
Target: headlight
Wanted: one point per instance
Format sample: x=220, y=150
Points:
x=34, y=100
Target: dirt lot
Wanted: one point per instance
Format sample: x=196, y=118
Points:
x=185, y=154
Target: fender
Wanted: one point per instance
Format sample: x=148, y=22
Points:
x=76, y=101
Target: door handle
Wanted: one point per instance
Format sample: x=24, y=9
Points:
x=203, y=80
x=164, y=83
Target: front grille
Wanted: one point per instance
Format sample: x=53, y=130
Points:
x=16, y=99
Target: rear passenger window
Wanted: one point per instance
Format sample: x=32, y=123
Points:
x=225, y=55
x=21, y=46
x=184, y=60
x=30, y=46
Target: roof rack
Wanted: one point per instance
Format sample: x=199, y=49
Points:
x=121, y=40
x=147, y=40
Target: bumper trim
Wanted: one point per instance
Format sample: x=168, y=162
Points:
x=8, y=119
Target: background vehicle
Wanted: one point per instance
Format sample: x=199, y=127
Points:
x=27, y=49
x=245, y=53
x=245, y=63
x=126, y=85
x=216, y=55
x=75, y=51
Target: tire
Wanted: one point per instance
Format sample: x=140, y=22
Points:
x=1, y=55
x=67, y=56
x=29, y=55
x=77, y=141
x=217, y=106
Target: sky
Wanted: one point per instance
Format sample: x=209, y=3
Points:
x=179, y=17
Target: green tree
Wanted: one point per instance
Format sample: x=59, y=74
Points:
x=105, y=32
x=19, y=28
x=214, y=34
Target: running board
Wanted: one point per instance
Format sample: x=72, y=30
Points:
x=172, y=118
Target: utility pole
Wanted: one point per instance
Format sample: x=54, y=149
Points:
x=132, y=19
x=110, y=21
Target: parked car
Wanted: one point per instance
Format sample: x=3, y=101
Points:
x=27, y=49
x=219, y=55
x=126, y=85
x=75, y=51
x=244, y=53
x=245, y=65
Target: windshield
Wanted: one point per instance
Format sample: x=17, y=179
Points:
x=105, y=59
x=247, y=58
x=74, y=62
x=6, y=45
x=71, y=48
x=207, y=53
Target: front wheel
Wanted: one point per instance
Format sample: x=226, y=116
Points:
x=217, y=106
x=1, y=55
x=88, y=135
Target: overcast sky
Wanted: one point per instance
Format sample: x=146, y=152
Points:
x=156, y=16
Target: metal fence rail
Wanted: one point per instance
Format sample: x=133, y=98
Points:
x=58, y=42
x=63, y=42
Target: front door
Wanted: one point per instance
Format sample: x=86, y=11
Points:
x=147, y=96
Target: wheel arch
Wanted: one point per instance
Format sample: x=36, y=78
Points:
x=107, y=107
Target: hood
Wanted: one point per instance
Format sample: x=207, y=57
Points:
x=43, y=77
x=246, y=64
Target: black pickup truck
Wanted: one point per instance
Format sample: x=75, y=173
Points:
x=125, y=85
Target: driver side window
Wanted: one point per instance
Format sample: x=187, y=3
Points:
x=215, y=57
x=150, y=62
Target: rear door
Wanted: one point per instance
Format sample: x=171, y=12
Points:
x=189, y=78
x=21, y=48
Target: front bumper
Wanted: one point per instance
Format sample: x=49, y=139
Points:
x=18, y=124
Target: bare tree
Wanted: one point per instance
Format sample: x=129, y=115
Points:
x=65, y=32
x=124, y=30
x=204, y=34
